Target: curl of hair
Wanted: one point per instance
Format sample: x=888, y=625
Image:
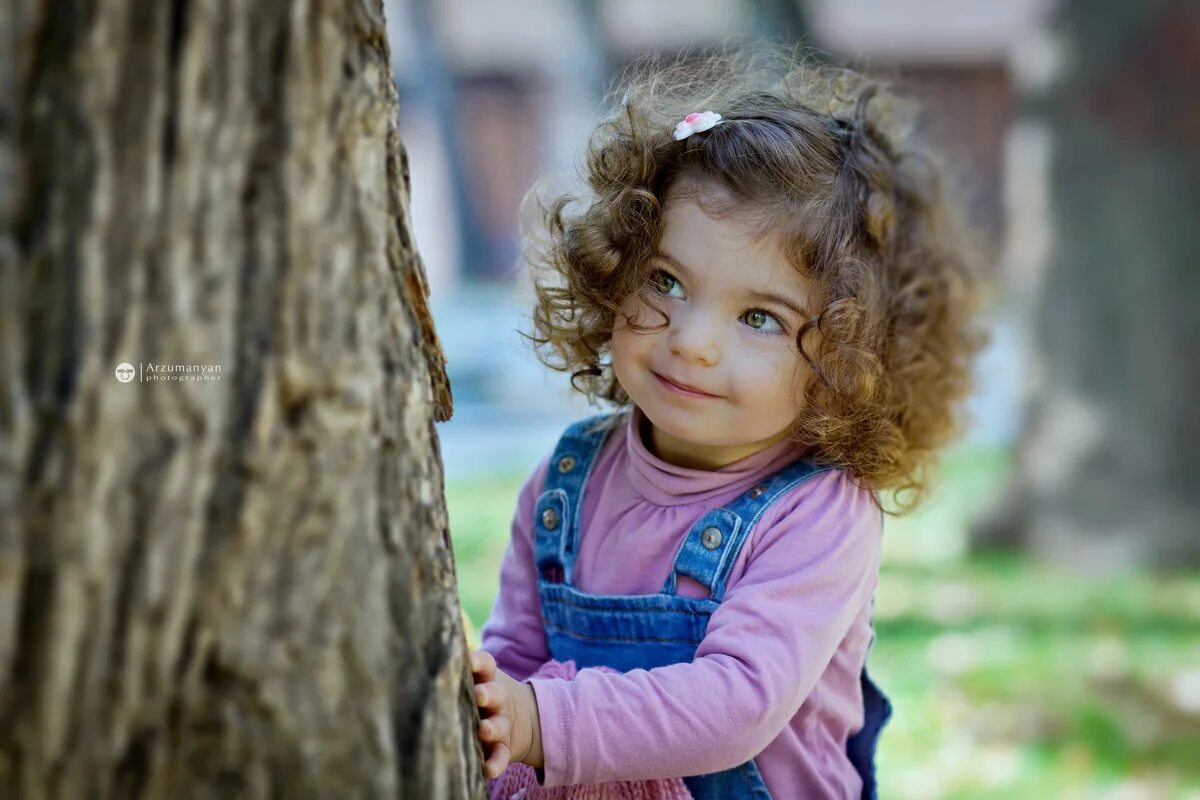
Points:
x=823, y=156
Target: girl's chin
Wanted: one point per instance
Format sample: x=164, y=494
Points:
x=670, y=424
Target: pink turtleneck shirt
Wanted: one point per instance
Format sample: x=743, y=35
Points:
x=777, y=675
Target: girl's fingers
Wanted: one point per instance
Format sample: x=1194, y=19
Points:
x=488, y=695
x=483, y=664
x=496, y=764
x=494, y=729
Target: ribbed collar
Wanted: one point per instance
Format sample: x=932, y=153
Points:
x=666, y=484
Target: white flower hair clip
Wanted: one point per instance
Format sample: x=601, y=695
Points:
x=696, y=122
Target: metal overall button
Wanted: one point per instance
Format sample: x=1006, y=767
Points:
x=566, y=464
x=757, y=491
x=550, y=518
x=711, y=538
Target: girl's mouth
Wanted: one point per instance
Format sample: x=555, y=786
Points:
x=680, y=390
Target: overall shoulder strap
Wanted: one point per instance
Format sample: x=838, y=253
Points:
x=557, y=511
x=713, y=543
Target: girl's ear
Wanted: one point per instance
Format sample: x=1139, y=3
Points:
x=880, y=218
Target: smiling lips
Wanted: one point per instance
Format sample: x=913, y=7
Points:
x=680, y=388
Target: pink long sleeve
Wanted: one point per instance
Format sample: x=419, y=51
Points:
x=513, y=633
x=811, y=573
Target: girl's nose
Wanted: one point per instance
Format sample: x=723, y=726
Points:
x=692, y=338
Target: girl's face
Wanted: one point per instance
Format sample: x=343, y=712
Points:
x=724, y=379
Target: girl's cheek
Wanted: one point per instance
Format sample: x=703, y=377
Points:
x=771, y=365
x=642, y=313
x=631, y=307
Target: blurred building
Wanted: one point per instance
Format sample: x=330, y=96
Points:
x=518, y=83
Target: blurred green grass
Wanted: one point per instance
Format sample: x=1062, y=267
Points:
x=1009, y=678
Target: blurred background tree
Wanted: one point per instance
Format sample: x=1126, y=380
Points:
x=1107, y=467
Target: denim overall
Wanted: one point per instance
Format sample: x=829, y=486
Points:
x=625, y=632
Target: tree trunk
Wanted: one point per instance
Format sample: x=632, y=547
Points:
x=1107, y=472
x=234, y=581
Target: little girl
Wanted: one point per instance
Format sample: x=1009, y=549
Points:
x=764, y=282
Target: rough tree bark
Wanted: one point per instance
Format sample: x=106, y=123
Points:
x=239, y=587
x=1107, y=472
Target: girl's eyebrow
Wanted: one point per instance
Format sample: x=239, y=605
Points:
x=783, y=301
x=780, y=299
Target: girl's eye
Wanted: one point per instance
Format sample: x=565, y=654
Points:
x=761, y=320
x=664, y=282
x=756, y=318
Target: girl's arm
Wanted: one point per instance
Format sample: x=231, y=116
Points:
x=812, y=571
x=513, y=633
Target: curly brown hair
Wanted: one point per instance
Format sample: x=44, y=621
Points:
x=825, y=157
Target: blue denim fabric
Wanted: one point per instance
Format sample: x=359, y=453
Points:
x=625, y=632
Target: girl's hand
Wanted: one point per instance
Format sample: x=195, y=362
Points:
x=510, y=729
